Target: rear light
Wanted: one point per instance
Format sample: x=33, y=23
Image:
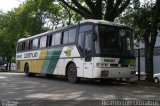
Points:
x=104, y=74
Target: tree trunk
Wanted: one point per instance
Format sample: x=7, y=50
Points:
x=9, y=66
x=6, y=66
x=98, y=9
x=150, y=39
x=149, y=63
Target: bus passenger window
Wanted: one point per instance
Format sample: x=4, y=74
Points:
x=23, y=45
x=53, y=36
x=35, y=44
x=65, y=37
x=30, y=44
x=27, y=45
x=72, y=35
x=58, y=39
x=49, y=40
x=43, y=41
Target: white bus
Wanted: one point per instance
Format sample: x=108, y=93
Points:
x=95, y=49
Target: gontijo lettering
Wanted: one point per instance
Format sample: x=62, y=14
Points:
x=31, y=55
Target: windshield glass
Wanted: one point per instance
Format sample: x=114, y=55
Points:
x=115, y=40
x=125, y=39
x=108, y=39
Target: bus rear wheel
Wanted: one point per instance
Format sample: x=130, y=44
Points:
x=72, y=73
x=27, y=73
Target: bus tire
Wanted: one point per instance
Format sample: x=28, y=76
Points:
x=72, y=73
x=27, y=73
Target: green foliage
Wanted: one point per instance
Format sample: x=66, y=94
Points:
x=30, y=18
x=9, y=34
x=97, y=9
x=138, y=19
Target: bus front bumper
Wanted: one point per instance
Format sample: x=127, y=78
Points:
x=113, y=72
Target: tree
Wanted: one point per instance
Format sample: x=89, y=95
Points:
x=137, y=17
x=28, y=19
x=150, y=39
x=144, y=20
x=50, y=13
x=8, y=35
x=97, y=9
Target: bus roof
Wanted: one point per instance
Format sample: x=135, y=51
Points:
x=48, y=32
x=81, y=22
x=102, y=22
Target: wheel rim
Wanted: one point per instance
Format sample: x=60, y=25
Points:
x=72, y=73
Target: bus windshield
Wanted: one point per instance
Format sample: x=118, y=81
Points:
x=115, y=40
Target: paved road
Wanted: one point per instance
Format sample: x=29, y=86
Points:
x=17, y=86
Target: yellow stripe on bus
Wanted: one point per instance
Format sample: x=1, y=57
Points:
x=34, y=65
x=37, y=64
x=132, y=61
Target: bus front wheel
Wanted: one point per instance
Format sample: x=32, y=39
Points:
x=72, y=73
x=27, y=73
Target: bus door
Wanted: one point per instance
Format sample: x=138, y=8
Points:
x=88, y=53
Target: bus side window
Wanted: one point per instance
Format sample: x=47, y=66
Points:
x=49, y=40
x=81, y=43
x=23, y=45
x=65, y=37
x=52, y=36
x=30, y=44
x=35, y=44
x=43, y=41
x=27, y=45
x=72, y=35
x=57, y=39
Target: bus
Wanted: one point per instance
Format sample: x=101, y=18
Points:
x=94, y=49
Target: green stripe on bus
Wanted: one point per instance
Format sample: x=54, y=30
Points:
x=51, y=60
x=124, y=61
